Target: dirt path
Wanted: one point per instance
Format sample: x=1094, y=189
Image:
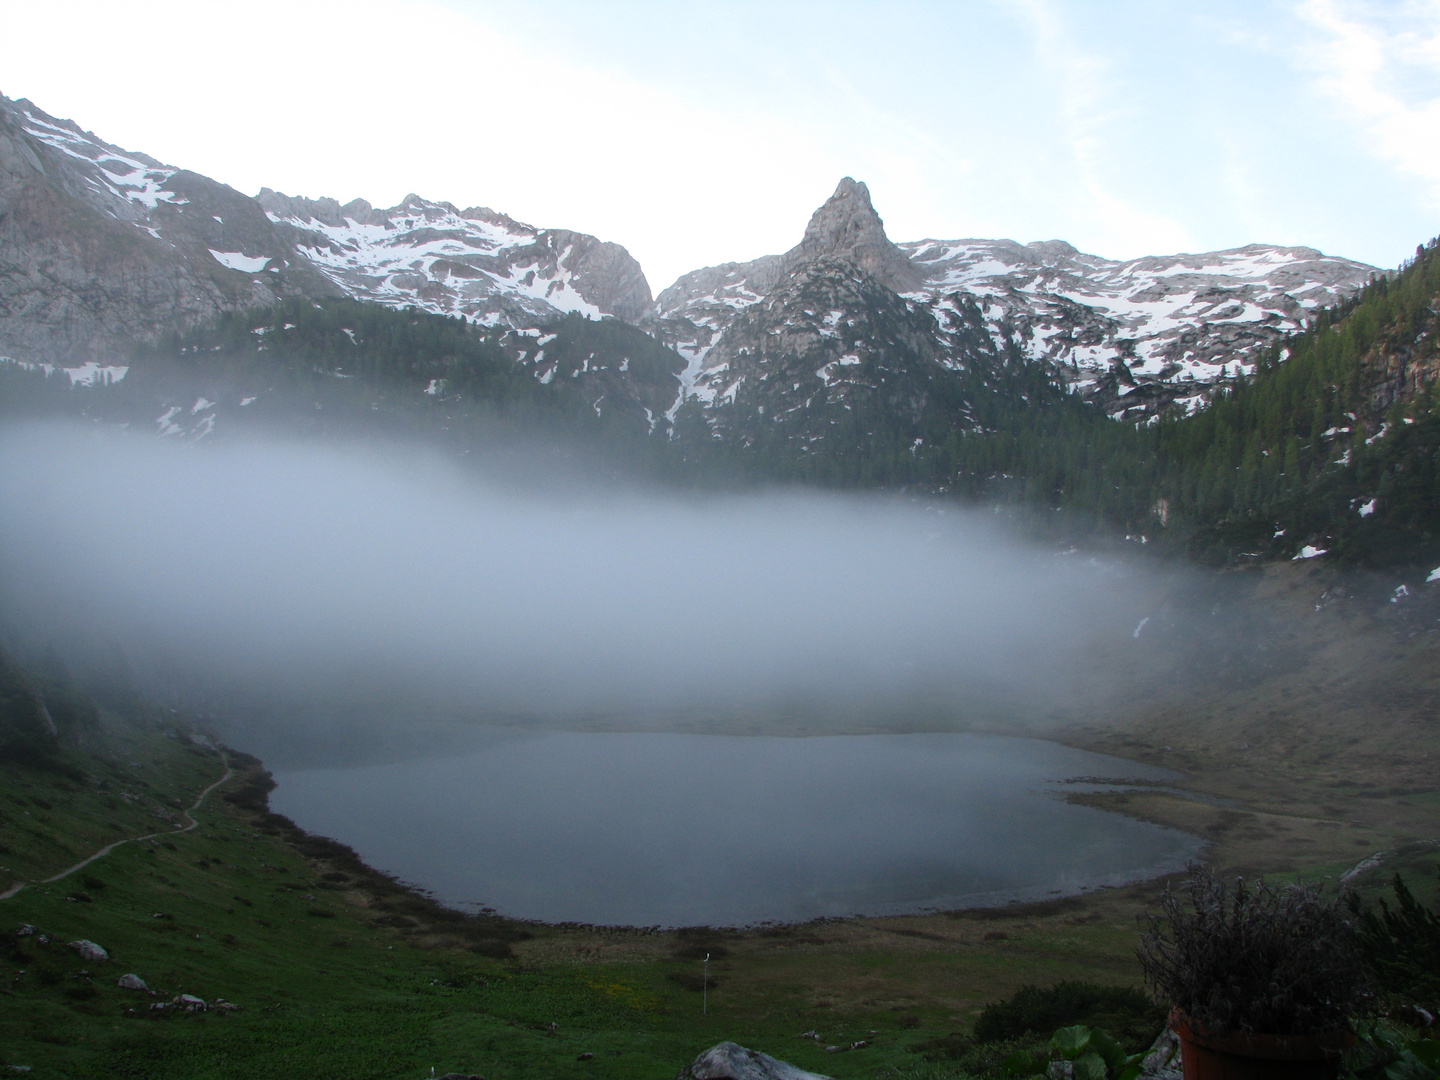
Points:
x=189, y=816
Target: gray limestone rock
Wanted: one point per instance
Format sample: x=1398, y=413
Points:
x=827, y=335
x=100, y=246
x=846, y=226
x=1134, y=336
x=88, y=950
x=603, y=273
x=731, y=1061
x=1162, y=1061
x=131, y=982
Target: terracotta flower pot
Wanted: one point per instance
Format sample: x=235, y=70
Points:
x=1206, y=1056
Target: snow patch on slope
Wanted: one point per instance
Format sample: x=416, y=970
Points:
x=246, y=264
x=487, y=267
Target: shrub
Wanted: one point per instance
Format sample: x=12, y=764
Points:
x=1124, y=1010
x=1281, y=960
x=1401, y=948
x=1091, y=1054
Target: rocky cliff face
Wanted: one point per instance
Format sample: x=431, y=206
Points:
x=478, y=263
x=1138, y=334
x=1133, y=336
x=828, y=334
x=99, y=246
x=846, y=226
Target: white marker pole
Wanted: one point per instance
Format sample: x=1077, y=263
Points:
x=705, y=985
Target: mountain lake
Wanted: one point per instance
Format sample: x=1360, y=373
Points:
x=662, y=829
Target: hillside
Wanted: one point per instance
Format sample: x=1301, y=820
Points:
x=100, y=246
x=1329, y=447
x=1132, y=338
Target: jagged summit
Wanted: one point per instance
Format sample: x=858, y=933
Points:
x=1131, y=335
x=848, y=227
x=476, y=262
x=101, y=246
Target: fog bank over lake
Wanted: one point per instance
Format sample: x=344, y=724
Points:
x=382, y=581
x=668, y=829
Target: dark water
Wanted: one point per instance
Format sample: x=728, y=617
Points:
x=674, y=830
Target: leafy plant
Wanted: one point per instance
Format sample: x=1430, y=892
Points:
x=1384, y=1053
x=1401, y=947
x=1124, y=1010
x=1253, y=957
x=1093, y=1054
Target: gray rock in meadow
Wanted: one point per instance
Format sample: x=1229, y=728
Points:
x=131, y=982
x=88, y=950
x=1162, y=1062
x=731, y=1061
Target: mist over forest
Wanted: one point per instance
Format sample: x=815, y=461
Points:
x=394, y=580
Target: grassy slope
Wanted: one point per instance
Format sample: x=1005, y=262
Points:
x=340, y=971
x=1332, y=755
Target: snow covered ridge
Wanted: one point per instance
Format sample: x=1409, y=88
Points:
x=1173, y=318
x=1132, y=335
x=135, y=182
x=476, y=262
x=1183, y=322
x=195, y=248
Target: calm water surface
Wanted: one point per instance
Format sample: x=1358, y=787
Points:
x=671, y=830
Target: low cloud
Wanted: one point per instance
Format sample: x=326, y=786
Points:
x=389, y=579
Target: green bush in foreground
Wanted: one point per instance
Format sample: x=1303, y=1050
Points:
x=1093, y=1054
x=1401, y=947
x=1383, y=1052
x=1252, y=956
x=1124, y=1010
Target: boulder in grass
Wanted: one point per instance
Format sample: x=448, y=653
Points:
x=1162, y=1060
x=731, y=1061
x=88, y=950
x=131, y=982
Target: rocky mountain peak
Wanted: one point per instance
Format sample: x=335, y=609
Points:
x=1053, y=250
x=848, y=227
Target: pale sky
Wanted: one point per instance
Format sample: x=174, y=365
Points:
x=697, y=134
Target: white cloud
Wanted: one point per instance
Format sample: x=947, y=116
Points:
x=1380, y=66
x=1090, y=113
